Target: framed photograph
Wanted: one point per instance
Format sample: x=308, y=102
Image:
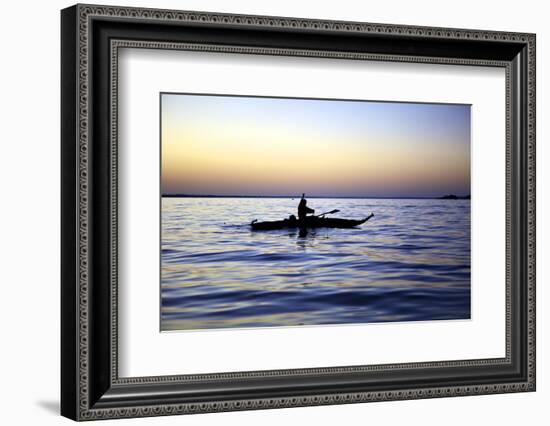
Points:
x=263, y=212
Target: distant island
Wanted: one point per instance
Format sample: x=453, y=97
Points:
x=454, y=197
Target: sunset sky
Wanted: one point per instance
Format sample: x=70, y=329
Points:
x=229, y=145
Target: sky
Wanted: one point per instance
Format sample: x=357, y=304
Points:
x=233, y=145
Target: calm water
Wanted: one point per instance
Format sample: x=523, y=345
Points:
x=410, y=262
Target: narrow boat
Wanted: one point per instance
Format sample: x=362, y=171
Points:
x=310, y=222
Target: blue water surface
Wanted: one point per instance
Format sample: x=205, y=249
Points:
x=410, y=262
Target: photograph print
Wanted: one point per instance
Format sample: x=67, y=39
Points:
x=281, y=212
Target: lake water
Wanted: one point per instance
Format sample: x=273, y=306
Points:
x=410, y=262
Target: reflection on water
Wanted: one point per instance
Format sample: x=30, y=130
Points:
x=411, y=262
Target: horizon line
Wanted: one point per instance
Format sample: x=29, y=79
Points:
x=179, y=195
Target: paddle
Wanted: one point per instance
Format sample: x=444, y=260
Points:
x=330, y=212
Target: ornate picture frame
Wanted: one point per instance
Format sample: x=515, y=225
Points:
x=91, y=37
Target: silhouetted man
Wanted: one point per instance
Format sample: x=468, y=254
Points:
x=303, y=209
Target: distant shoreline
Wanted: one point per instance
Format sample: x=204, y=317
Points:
x=445, y=197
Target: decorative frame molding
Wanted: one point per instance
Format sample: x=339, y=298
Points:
x=91, y=388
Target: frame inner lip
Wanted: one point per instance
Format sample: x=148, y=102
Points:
x=116, y=44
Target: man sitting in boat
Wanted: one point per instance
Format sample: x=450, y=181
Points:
x=303, y=209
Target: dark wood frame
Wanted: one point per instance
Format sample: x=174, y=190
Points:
x=90, y=386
